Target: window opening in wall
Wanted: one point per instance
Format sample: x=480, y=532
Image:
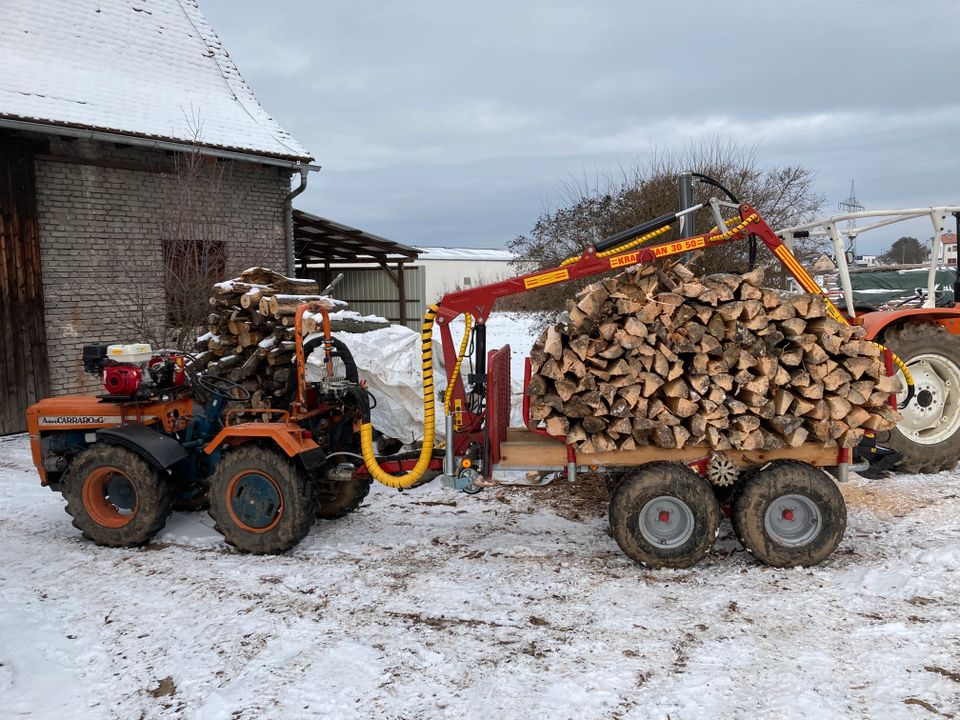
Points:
x=194, y=258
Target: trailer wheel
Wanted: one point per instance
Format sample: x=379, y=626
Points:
x=664, y=515
x=788, y=514
x=115, y=497
x=340, y=499
x=261, y=502
x=928, y=434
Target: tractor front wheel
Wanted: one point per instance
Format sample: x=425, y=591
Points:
x=338, y=499
x=664, y=515
x=261, y=502
x=928, y=434
x=115, y=497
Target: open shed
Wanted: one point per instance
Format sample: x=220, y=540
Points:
x=378, y=275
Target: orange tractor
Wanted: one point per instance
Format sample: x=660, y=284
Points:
x=164, y=431
x=163, y=434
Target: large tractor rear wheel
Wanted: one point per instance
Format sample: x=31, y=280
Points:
x=928, y=434
x=789, y=513
x=115, y=497
x=262, y=502
x=664, y=515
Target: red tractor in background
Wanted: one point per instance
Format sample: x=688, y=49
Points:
x=926, y=339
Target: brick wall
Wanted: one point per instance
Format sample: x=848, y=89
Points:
x=101, y=236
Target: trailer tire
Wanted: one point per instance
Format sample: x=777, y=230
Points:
x=789, y=513
x=664, y=515
x=262, y=502
x=115, y=497
x=933, y=356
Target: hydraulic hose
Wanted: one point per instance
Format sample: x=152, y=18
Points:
x=622, y=248
x=426, y=450
x=464, y=343
x=907, y=377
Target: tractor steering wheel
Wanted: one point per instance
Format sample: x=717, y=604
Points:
x=222, y=388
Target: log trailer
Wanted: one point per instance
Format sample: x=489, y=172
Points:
x=123, y=459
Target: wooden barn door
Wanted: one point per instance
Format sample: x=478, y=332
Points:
x=24, y=375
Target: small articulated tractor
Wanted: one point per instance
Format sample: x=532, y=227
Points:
x=165, y=433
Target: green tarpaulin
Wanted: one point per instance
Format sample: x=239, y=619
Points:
x=876, y=287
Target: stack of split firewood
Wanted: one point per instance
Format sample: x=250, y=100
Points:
x=661, y=357
x=251, y=331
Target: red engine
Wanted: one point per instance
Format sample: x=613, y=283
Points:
x=121, y=379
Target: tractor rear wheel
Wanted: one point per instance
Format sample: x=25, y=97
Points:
x=789, y=513
x=261, y=502
x=340, y=492
x=928, y=434
x=664, y=515
x=115, y=497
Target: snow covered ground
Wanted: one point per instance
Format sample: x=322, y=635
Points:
x=514, y=603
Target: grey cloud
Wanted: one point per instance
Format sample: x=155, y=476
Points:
x=456, y=123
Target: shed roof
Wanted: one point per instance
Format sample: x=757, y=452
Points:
x=317, y=239
x=145, y=68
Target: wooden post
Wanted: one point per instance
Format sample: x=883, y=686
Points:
x=398, y=281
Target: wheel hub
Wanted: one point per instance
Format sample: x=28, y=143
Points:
x=255, y=500
x=792, y=520
x=109, y=497
x=933, y=415
x=666, y=522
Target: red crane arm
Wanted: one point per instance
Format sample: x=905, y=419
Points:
x=479, y=301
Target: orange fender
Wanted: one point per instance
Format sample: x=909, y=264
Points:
x=876, y=322
x=288, y=436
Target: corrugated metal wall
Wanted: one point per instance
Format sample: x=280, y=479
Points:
x=370, y=291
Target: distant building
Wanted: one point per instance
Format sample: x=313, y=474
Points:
x=866, y=260
x=948, y=249
x=99, y=105
x=449, y=269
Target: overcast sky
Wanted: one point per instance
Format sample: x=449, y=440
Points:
x=454, y=123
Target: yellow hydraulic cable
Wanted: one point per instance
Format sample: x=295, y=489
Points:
x=621, y=248
x=898, y=362
x=728, y=223
x=739, y=227
x=426, y=451
x=467, y=321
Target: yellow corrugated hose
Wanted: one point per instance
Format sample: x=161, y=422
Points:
x=467, y=321
x=426, y=451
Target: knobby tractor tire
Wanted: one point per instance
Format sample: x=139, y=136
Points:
x=789, y=514
x=115, y=497
x=664, y=515
x=933, y=356
x=261, y=502
x=338, y=499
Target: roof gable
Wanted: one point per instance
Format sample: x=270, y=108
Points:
x=150, y=68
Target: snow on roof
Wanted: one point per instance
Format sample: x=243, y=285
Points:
x=442, y=253
x=150, y=68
